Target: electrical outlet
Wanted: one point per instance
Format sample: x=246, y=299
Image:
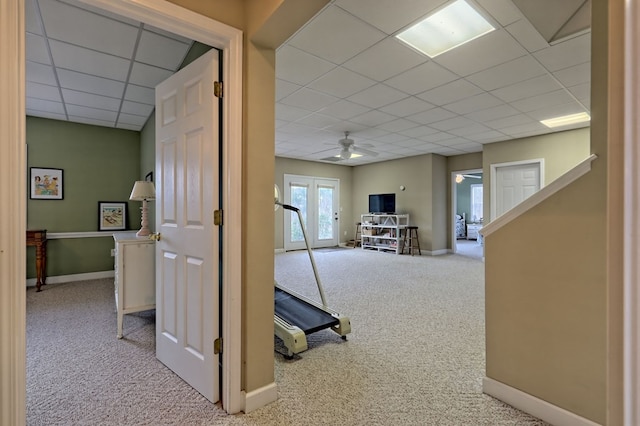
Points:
x=113, y=252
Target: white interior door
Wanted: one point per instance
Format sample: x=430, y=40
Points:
x=187, y=191
x=514, y=183
x=319, y=202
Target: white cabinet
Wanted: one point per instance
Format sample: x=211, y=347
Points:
x=135, y=274
x=472, y=230
x=383, y=232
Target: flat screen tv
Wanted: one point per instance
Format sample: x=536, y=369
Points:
x=382, y=203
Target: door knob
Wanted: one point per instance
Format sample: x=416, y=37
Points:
x=155, y=237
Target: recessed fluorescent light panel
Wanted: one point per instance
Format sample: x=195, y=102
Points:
x=565, y=120
x=448, y=28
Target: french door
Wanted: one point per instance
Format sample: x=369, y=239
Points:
x=318, y=200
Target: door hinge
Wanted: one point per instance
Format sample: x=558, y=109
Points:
x=217, y=346
x=217, y=217
x=217, y=89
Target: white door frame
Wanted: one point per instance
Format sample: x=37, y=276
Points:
x=493, y=177
x=167, y=16
x=454, y=204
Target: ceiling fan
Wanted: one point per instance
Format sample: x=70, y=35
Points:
x=349, y=148
x=460, y=178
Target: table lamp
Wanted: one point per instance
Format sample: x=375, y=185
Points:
x=143, y=191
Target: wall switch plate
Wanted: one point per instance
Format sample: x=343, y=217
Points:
x=113, y=252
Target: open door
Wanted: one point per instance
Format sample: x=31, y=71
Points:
x=187, y=251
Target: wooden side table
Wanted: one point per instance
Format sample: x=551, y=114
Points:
x=38, y=238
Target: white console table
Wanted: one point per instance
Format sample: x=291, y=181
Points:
x=383, y=232
x=135, y=274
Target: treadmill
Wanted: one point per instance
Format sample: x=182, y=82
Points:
x=297, y=316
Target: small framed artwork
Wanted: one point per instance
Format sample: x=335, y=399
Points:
x=149, y=177
x=45, y=183
x=112, y=216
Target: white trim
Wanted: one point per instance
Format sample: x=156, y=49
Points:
x=544, y=193
x=454, y=203
x=13, y=213
x=58, y=279
x=531, y=405
x=260, y=397
x=66, y=235
x=167, y=16
x=631, y=278
x=493, y=172
x=280, y=250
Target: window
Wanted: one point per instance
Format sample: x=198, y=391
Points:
x=476, y=203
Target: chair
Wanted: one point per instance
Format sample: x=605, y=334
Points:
x=411, y=240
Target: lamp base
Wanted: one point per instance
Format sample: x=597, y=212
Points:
x=144, y=230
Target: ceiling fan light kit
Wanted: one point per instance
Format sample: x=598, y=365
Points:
x=350, y=150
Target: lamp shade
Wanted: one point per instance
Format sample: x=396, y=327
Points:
x=143, y=190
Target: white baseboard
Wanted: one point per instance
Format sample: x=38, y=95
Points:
x=280, y=250
x=31, y=282
x=260, y=397
x=437, y=252
x=535, y=406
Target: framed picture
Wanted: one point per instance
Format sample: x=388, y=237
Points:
x=45, y=183
x=112, y=215
x=149, y=177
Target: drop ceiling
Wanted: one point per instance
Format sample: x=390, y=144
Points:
x=343, y=71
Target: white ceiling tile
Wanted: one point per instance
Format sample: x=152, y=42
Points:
x=385, y=59
x=546, y=100
x=390, y=15
x=566, y=54
x=581, y=91
x=377, y=96
x=341, y=82
x=319, y=120
x=77, y=26
x=46, y=106
x=89, y=83
x=421, y=78
x=127, y=126
x=39, y=73
x=311, y=100
x=140, y=94
x=452, y=123
x=92, y=121
x=73, y=97
x=470, y=131
x=473, y=103
x=135, y=120
x=556, y=111
x=148, y=76
x=407, y=106
x=36, y=49
x=372, y=118
x=503, y=11
x=284, y=88
x=506, y=122
x=439, y=137
x=42, y=91
x=389, y=138
x=524, y=128
x=450, y=92
x=431, y=116
x=315, y=39
x=45, y=114
x=527, y=35
x=494, y=113
x=419, y=131
x=136, y=108
x=575, y=75
x=174, y=36
x=32, y=17
x=289, y=113
x=535, y=86
x=88, y=61
x=94, y=113
x=489, y=136
x=296, y=66
x=521, y=69
x=481, y=53
x=369, y=133
x=344, y=109
x=398, y=125
x=161, y=51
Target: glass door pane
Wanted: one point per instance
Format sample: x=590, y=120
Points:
x=325, y=213
x=299, y=197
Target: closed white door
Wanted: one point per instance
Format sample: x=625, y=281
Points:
x=319, y=201
x=513, y=184
x=187, y=191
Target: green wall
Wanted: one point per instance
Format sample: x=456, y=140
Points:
x=99, y=164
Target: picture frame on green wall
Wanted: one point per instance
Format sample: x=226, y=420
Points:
x=112, y=216
x=45, y=183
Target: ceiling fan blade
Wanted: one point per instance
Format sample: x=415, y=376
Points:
x=472, y=176
x=364, y=151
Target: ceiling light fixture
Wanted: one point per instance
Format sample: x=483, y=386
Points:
x=565, y=120
x=450, y=27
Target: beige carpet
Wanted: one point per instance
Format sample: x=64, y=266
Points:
x=415, y=356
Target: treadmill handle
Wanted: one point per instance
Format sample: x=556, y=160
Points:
x=287, y=206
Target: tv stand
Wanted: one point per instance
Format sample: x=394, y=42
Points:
x=383, y=232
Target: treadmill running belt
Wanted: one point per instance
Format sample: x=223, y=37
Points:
x=303, y=315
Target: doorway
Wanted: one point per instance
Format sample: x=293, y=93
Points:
x=318, y=200
x=514, y=182
x=467, y=207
